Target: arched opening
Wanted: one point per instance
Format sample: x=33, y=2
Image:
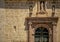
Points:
x=41, y=35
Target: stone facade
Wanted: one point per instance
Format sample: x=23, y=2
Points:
x=12, y=20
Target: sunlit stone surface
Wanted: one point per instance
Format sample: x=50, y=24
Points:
x=12, y=19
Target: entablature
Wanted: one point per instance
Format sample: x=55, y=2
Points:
x=33, y=21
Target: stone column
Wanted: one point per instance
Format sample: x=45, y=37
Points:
x=54, y=34
x=50, y=35
x=31, y=37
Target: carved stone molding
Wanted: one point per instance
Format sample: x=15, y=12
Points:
x=44, y=20
x=32, y=23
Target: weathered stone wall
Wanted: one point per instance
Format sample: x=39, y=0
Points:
x=12, y=21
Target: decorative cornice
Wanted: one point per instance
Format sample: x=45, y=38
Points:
x=41, y=20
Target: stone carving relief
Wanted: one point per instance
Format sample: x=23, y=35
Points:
x=35, y=22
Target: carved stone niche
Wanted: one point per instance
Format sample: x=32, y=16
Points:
x=32, y=23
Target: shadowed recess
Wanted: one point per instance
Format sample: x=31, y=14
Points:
x=41, y=35
x=18, y=4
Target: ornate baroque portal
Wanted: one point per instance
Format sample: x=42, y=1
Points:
x=41, y=29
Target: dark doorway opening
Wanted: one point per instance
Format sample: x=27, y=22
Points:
x=41, y=35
